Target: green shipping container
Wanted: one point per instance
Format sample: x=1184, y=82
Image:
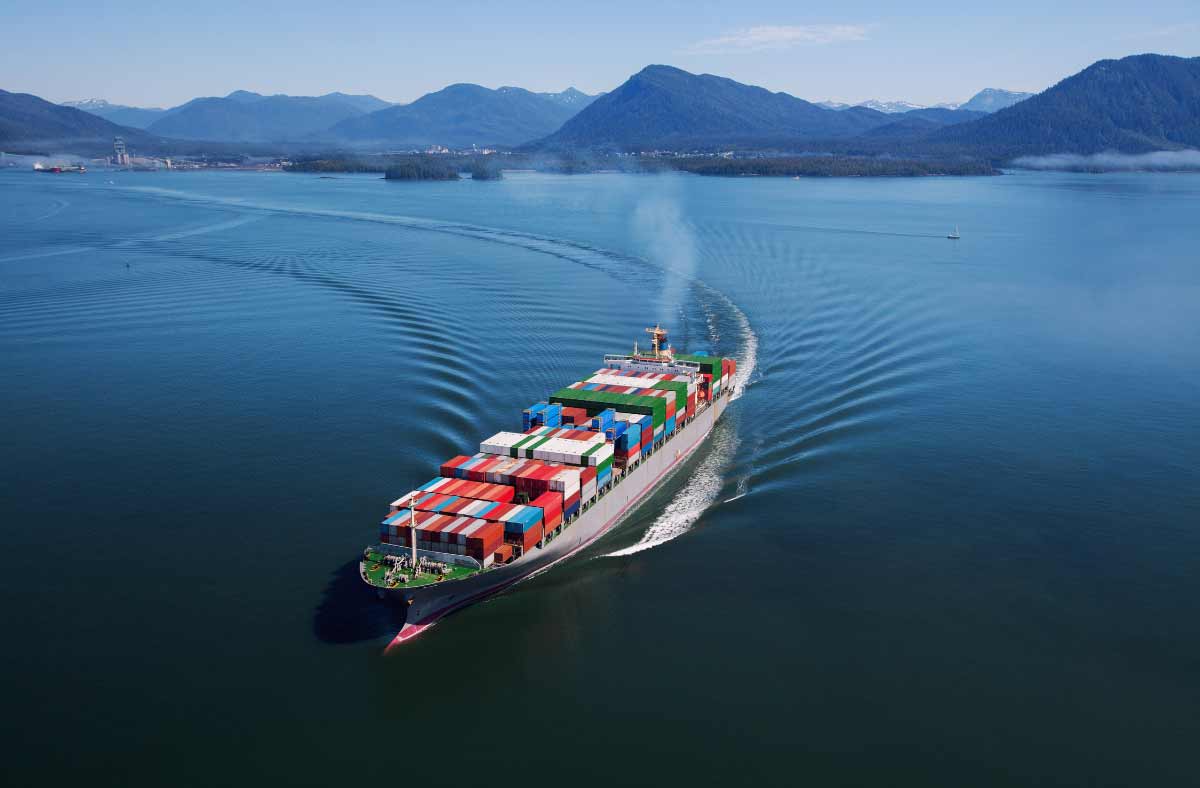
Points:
x=595, y=401
x=680, y=390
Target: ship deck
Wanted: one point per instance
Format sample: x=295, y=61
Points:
x=375, y=570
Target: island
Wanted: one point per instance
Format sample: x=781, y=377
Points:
x=421, y=170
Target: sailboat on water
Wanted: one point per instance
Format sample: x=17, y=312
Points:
x=954, y=236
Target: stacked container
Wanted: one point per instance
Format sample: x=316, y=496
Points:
x=529, y=415
x=577, y=416
x=652, y=402
x=589, y=450
x=528, y=476
x=718, y=372
x=443, y=533
x=645, y=431
x=603, y=420
x=551, y=504
x=627, y=443
x=462, y=488
x=684, y=385
x=522, y=525
x=541, y=414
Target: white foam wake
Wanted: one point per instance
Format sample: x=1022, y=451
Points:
x=691, y=502
x=745, y=369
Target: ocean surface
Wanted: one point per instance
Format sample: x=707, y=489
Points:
x=948, y=535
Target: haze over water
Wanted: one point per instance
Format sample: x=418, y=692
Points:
x=948, y=534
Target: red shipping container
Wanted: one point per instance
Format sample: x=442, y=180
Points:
x=574, y=416
x=503, y=554
x=484, y=540
x=479, y=473
x=526, y=542
x=479, y=491
x=448, y=466
x=549, y=502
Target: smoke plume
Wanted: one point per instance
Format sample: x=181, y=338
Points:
x=665, y=237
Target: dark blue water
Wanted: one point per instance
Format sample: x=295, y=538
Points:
x=949, y=534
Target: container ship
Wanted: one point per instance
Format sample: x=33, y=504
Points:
x=582, y=461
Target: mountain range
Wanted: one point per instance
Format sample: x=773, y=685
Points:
x=666, y=108
x=243, y=116
x=458, y=116
x=463, y=115
x=662, y=107
x=1138, y=103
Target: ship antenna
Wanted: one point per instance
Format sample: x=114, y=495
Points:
x=412, y=528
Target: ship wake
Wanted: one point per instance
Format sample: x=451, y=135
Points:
x=692, y=501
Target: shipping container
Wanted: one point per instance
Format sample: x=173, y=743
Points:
x=574, y=415
x=596, y=401
x=603, y=420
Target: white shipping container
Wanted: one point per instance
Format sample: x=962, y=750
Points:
x=501, y=442
x=600, y=455
x=508, y=439
x=566, y=482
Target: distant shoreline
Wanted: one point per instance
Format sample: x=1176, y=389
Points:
x=718, y=166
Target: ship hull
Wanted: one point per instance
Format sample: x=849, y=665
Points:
x=428, y=604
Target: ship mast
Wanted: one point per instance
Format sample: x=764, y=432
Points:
x=412, y=529
x=658, y=337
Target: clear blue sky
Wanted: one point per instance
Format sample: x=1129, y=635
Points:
x=163, y=53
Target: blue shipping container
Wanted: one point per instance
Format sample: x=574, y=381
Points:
x=616, y=430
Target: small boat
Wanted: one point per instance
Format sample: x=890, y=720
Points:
x=954, y=236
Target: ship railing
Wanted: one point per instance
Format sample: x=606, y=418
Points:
x=446, y=558
x=676, y=367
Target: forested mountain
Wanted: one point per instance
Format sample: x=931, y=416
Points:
x=1139, y=103
x=243, y=116
x=361, y=101
x=918, y=122
x=666, y=107
x=460, y=116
